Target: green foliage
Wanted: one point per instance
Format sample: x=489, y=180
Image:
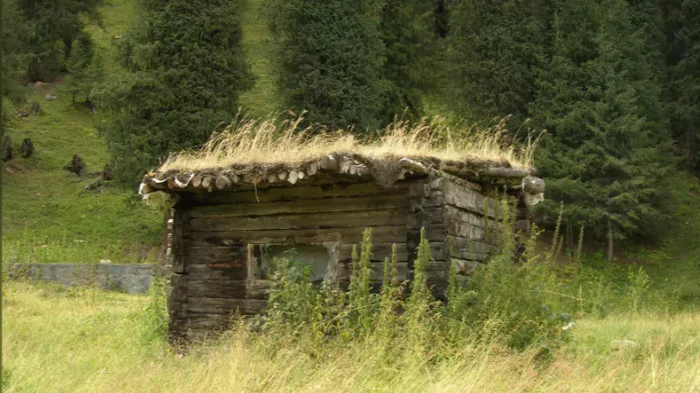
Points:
x=408, y=34
x=361, y=300
x=86, y=69
x=682, y=26
x=330, y=56
x=51, y=27
x=606, y=153
x=14, y=55
x=184, y=70
x=155, y=314
x=494, y=47
x=505, y=302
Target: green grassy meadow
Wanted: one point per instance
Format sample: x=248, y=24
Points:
x=87, y=341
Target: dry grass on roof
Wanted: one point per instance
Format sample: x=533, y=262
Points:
x=272, y=142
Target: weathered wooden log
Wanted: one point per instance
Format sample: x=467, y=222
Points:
x=312, y=168
x=223, y=182
x=533, y=185
x=360, y=203
x=206, y=181
x=292, y=178
x=300, y=221
x=330, y=163
x=274, y=194
x=217, y=271
x=206, y=305
x=197, y=180
x=505, y=172
x=413, y=166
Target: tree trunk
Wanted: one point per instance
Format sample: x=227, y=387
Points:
x=610, y=241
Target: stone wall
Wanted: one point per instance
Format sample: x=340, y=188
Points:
x=132, y=279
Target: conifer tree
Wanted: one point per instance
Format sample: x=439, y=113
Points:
x=51, y=28
x=85, y=69
x=330, y=56
x=408, y=32
x=683, y=57
x=184, y=70
x=494, y=46
x=14, y=55
x=599, y=99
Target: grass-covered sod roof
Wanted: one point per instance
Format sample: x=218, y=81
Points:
x=268, y=151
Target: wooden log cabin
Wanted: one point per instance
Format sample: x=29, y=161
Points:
x=229, y=223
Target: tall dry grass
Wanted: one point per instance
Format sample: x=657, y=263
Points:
x=54, y=341
x=271, y=141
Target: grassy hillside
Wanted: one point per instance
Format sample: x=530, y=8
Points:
x=48, y=215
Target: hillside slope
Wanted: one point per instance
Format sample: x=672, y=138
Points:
x=48, y=214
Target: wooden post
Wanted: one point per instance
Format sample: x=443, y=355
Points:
x=167, y=215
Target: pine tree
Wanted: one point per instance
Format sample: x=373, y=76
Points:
x=599, y=99
x=409, y=36
x=52, y=26
x=494, y=46
x=330, y=56
x=183, y=72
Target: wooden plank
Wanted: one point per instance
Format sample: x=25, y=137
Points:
x=216, y=254
x=207, y=305
x=465, y=216
x=217, y=288
x=259, y=289
x=379, y=202
x=218, y=271
x=460, y=244
x=289, y=193
x=180, y=221
x=209, y=321
x=468, y=199
x=302, y=221
x=461, y=229
x=382, y=234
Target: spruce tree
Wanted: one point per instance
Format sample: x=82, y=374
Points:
x=330, y=56
x=408, y=32
x=683, y=57
x=494, y=46
x=184, y=70
x=85, y=69
x=599, y=99
x=52, y=26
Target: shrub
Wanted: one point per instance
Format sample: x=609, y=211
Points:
x=155, y=314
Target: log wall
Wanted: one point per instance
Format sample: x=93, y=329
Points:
x=214, y=235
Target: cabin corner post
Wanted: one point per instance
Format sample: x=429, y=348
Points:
x=426, y=198
x=177, y=299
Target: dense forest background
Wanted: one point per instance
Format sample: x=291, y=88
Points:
x=614, y=84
